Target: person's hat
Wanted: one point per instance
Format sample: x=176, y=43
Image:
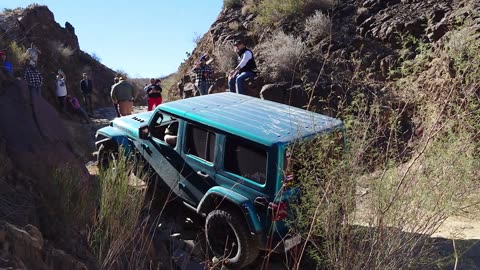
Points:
x=203, y=58
x=237, y=42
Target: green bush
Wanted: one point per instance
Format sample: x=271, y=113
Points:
x=274, y=12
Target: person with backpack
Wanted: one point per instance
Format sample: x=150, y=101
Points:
x=244, y=70
x=73, y=105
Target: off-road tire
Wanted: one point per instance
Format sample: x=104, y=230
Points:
x=223, y=225
x=105, y=156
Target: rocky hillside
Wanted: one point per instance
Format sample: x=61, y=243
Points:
x=404, y=77
x=59, y=47
x=365, y=38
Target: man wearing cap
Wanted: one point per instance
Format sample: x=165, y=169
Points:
x=244, y=70
x=204, y=75
x=4, y=63
x=86, y=87
x=123, y=94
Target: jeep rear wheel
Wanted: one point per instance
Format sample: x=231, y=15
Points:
x=229, y=238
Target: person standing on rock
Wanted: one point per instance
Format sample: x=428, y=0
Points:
x=123, y=94
x=61, y=89
x=204, y=75
x=86, y=86
x=32, y=54
x=34, y=80
x=244, y=70
x=5, y=64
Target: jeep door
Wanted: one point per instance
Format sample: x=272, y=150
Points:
x=162, y=157
x=199, y=155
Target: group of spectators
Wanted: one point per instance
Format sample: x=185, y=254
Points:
x=34, y=80
x=69, y=103
x=122, y=92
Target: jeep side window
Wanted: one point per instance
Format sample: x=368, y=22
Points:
x=200, y=143
x=245, y=159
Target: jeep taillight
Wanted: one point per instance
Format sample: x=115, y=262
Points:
x=278, y=210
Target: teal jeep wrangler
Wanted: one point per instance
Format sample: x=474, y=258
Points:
x=224, y=155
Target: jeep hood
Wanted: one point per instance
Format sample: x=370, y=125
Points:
x=131, y=123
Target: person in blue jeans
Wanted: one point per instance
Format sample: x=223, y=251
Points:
x=204, y=75
x=244, y=70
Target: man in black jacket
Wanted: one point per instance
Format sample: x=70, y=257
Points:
x=86, y=87
x=245, y=68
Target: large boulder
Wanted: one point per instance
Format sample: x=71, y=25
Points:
x=284, y=93
x=24, y=248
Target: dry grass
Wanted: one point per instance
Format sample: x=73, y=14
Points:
x=280, y=56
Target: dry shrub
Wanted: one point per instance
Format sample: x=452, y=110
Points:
x=17, y=53
x=115, y=231
x=318, y=26
x=234, y=26
x=280, y=55
x=250, y=6
x=232, y=3
x=405, y=200
x=226, y=58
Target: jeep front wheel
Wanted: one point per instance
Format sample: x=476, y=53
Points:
x=229, y=239
x=105, y=156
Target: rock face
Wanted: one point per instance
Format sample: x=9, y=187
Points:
x=24, y=248
x=368, y=37
x=33, y=145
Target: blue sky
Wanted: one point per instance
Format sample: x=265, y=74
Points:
x=145, y=38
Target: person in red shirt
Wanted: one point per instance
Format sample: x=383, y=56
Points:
x=154, y=96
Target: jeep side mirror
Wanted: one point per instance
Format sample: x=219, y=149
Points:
x=144, y=133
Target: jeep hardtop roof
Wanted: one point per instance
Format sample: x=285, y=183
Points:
x=263, y=121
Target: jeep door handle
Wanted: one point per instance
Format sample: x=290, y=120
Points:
x=181, y=185
x=202, y=174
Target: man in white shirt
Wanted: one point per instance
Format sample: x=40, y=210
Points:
x=32, y=54
x=61, y=90
x=244, y=70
